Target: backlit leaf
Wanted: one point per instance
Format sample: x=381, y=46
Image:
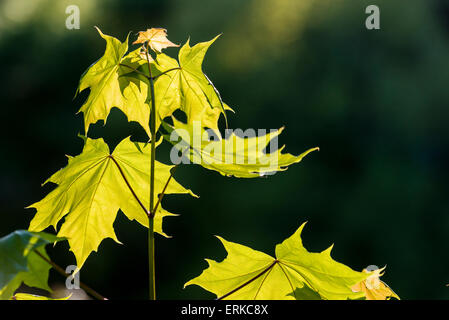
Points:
x=295, y=273
x=237, y=156
x=91, y=189
x=110, y=86
x=186, y=87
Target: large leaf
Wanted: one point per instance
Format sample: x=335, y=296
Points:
x=92, y=188
x=374, y=288
x=295, y=273
x=238, y=156
x=186, y=87
x=110, y=86
x=19, y=262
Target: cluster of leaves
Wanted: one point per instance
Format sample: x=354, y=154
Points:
x=97, y=183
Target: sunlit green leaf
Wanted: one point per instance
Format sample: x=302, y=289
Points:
x=92, y=188
x=295, y=273
x=243, y=157
x=186, y=87
x=110, y=86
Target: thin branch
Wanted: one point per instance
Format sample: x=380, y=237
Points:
x=249, y=281
x=61, y=271
x=163, y=191
x=148, y=77
x=160, y=74
x=129, y=186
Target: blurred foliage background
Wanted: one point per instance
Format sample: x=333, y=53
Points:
x=375, y=102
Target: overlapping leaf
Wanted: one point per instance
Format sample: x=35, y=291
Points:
x=186, y=87
x=92, y=188
x=110, y=86
x=374, y=288
x=116, y=81
x=237, y=156
x=295, y=273
x=21, y=264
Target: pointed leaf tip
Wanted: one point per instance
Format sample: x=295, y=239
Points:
x=248, y=274
x=93, y=210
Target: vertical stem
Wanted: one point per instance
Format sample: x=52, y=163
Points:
x=152, y=269
x=151, y=214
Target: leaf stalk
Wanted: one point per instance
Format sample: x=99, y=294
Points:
x=151, y=267
x=61, y=271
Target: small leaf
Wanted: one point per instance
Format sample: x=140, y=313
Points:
x=242, y=157
x=295, y=273
x=20, y=263
x=91, y=189
x=374, y=288
x=156, y=39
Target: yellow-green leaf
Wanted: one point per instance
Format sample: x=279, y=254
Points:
x=295, y=273
x=186, y=87
x=92, y=188
x=238, y=156
x=110, y=86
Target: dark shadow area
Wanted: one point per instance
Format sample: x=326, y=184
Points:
x=376, y=102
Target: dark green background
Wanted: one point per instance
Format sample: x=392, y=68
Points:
x=375, y=102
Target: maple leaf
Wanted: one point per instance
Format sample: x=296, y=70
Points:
x=94, y=186
x=295, y=273
x=242, y=157
x=156, y=39
x=21, y=264
x=111, y=85
x=183, y=85
x=374, y=288
x=119, y=80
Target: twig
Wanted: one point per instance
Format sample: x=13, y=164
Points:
x=61, y=271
